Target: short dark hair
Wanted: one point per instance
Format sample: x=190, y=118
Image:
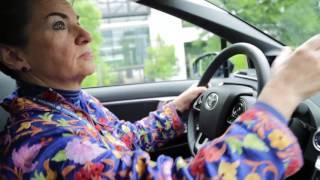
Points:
x=14, y=17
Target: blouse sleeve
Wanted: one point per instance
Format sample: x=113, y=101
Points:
x=258, y=145
x=150, y=132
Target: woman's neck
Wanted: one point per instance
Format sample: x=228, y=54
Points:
x=68, y=86
x=32, y=90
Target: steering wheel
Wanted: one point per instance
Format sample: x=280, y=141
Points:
x=211, y=110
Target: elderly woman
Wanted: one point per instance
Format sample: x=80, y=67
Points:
x=58, y=131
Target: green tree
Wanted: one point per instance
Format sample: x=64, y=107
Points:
x=207, y=43
x=90, y=19
x=300, y=22
x=161, y=62
x=291, y=21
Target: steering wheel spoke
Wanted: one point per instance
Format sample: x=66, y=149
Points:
x=197, y=104
x=201, y=140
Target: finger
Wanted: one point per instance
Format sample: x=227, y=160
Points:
x=197, y=88
x=197, y=91
x=283, y=56
x=194, y=85
x=201, y=89
x=312, y=43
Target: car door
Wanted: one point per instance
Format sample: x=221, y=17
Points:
x=133, y=102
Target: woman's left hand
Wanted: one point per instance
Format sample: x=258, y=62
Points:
x=184, y=100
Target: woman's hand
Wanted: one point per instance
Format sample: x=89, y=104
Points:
x=295, y=77
x=184, y=100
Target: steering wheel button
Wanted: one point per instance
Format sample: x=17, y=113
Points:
x=316, y=140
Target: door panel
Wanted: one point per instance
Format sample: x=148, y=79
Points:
x=133, y=102
x=130, y=102
x=133, y=110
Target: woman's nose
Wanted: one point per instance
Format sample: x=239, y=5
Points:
x=83, y=37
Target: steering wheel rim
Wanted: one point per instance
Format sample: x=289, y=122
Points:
x=261, y=65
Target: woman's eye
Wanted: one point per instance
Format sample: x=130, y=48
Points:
x=60, y=25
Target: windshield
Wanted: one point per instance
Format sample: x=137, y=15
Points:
x=289, y=21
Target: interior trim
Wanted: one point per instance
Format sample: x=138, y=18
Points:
x=168, y=98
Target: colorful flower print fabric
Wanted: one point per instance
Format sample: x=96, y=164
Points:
x=43, y=143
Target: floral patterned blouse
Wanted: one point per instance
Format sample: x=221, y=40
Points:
x=44, y=143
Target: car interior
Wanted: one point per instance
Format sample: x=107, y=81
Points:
x=8, y=85
x=134, y=101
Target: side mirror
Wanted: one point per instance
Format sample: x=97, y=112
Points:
x=201, y=63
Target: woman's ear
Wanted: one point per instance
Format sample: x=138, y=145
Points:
x=12, y=58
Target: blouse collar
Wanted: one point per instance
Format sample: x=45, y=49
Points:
x=32, y=90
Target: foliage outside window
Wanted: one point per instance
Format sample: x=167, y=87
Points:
x=161, y=62
x=91, y=22
x=208, y=43
x=290, y=21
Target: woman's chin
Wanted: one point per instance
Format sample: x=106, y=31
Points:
x=88, y=70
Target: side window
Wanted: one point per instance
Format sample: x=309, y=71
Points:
x=135, y=44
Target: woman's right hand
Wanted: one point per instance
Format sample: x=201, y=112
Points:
x=295, y=77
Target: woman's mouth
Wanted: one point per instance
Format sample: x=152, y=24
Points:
x=86, y=56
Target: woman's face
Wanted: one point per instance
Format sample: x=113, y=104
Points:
x=57, y=52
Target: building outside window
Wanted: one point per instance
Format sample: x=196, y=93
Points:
x=140, y=44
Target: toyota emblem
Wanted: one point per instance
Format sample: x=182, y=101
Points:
x=212, y=101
